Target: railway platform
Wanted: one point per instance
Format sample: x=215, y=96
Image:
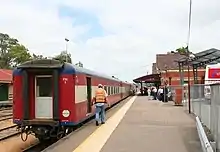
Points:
x=141, y=125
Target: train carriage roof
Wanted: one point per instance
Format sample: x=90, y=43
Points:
x=67, y=68
x=89, y=72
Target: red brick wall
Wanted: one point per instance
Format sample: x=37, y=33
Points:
x=173, y=77
x=175, y=81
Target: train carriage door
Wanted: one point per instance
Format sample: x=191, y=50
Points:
x=89, y=94
x=43, y=97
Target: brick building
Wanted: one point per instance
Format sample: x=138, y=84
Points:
x=167, y=66
x=6, y=87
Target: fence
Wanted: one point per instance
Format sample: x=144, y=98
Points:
x=205, y=103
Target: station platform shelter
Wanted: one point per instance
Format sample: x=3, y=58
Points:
x=140, y=125
x=151, y=78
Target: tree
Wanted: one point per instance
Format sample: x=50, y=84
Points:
x=182, y=50
x=11, y=52
x=18, y=54
x=63, y=56
x=79, y=64
x=37, y=57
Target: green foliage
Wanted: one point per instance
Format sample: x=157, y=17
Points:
x=181, y=50
x=19, y=54
x=63, y=56
x=38, y=57
x=80, y=64
x=11, y=52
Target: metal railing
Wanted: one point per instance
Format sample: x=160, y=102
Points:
x=205, y=101
x=206, y=146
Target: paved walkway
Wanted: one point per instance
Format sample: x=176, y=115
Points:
x=153, y=126
x=141, y=125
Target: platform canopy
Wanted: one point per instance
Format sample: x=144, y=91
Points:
x=152, y=78
x=211, y=56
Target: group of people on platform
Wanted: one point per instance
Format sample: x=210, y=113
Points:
x=160, y=94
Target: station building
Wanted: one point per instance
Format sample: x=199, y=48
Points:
x=172, y=71
x=6, y=86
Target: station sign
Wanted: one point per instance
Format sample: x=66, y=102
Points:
x=214, y=73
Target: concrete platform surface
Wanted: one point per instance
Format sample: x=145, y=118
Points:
x=153, y=126
x=140, y=125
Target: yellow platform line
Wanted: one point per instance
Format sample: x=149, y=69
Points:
x=99, y=137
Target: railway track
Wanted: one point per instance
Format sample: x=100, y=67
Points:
x=8, y=132
x=5, y=117
x=4, y=109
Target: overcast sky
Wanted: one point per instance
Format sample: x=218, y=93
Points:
x=115, y=37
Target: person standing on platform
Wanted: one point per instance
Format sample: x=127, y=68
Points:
x=149, y=93
x=160, y=93
x=155, y=93
x=100, y=100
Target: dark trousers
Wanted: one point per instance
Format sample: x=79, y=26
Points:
x=155, y=95
x=164, y=98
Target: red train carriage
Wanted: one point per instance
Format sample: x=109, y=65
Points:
x=50, y=97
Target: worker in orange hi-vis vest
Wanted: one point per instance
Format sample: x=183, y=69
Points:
x=100, y=100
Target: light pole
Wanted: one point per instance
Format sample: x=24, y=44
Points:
x=67, y=40
x=188, y=53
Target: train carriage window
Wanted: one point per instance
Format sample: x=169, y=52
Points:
x=44, y=86
x=114, y=90
x=105, y=88
x=109, y=91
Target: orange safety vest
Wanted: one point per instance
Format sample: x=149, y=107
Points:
x=100, y=96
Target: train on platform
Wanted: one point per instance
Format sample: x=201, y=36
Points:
x=52, y=97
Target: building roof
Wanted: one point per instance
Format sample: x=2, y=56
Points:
x=5, y=76
x=151, y=78
x=210, y=56
x=167, y=61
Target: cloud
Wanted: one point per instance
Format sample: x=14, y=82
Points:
x=114, y=37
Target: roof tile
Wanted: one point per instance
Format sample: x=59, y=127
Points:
x=6, y=75
x=167, y=61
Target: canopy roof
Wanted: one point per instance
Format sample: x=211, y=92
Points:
x=211, y=56
x=151, y=78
